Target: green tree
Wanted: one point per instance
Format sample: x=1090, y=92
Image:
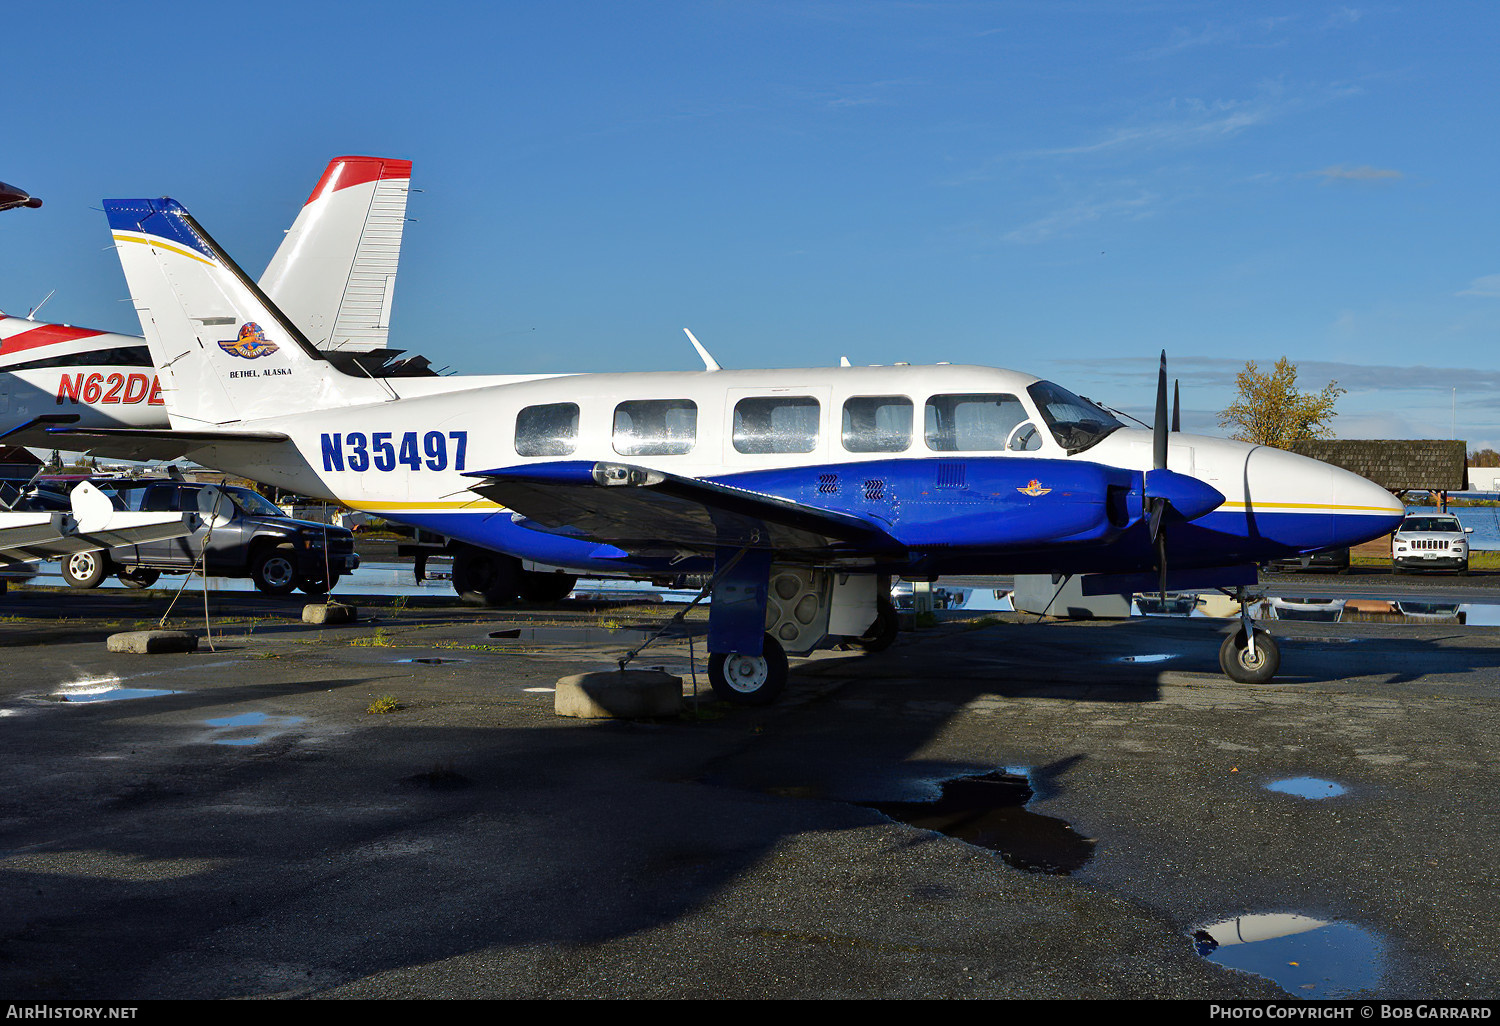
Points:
x=1269, y=409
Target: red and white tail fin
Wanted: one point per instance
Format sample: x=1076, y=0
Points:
x=334, y=274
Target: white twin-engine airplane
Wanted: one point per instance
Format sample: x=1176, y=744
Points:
x=333, y=275
x=800, y=491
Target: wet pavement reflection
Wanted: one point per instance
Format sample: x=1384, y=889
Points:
x=989, y=812
x=1306, y=957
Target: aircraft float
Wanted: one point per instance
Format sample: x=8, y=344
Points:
x=797, y=491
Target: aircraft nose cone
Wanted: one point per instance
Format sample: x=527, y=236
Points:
x=1315, y=505
x=1366, y=510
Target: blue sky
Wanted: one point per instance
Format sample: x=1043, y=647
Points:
x=1065, y=188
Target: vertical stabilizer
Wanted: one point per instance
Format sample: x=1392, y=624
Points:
x=225, y=352
x=334, y=274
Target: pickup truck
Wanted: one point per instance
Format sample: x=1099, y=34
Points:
x=239, y=534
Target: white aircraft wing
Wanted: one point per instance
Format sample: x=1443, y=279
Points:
x=27, y=537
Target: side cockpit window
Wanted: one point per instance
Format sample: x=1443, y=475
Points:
x=1075, y=422
x=877, y=423
x=972, y=421
x=655, y=427
x=776, y=424
x=550, y=430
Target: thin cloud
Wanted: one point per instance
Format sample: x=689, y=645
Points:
x=1064, y=221
x=1361, y=173
x=1488, y=286
x=1219, y=372
x=1194, y=122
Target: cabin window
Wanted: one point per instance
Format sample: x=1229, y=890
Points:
x=776, y=424
x=972, y=421
x=878, y=423
x=656, y=427
x=550, y=430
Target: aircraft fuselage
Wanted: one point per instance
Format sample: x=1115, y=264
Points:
x=962, y=463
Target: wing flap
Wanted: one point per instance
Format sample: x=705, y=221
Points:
x=642, y=510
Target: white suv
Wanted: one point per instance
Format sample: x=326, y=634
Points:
x=1430, y=541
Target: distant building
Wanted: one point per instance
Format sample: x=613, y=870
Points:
x=1435, y=466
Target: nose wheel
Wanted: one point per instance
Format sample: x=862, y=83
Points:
x=1250, y=655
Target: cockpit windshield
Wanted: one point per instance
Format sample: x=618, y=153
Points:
x=1076, y=423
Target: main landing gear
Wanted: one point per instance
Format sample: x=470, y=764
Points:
x=760, y=612
x=1250, y=655
x=747, y=679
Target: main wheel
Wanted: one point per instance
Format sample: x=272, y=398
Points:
x=485, y=578
x=85, y=569
x=1238, y=664
x=274, y=571
x=542, y=586
x=749, y=680
x=138, y=577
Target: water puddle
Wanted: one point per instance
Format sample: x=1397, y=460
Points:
x=1306, y=957
x=272, y=724
x=106, y=689
x=989, y=812
x=572, y=635
x=431, y=660
x=1307, y=787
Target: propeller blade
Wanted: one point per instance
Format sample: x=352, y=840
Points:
x=1159, y=429
x=1161, y=563
x=1176, y=407
x=1157, y=509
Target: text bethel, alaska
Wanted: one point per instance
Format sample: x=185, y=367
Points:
x=268, y=372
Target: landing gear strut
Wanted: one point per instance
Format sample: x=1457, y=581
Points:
x=1250, y=655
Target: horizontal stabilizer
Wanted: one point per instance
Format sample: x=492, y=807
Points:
x=647, y=510
x=152, y=443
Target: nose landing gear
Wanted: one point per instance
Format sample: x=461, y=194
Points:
x=1250, y=655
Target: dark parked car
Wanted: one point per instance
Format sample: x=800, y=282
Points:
x=1336, y=560
x=240, y=534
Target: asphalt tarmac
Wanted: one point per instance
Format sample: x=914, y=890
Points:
x=236, y=823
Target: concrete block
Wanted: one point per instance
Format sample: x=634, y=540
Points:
x=329, y=613
x=618, y=694
x=153, y=642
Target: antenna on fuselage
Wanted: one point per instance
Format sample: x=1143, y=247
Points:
x=32, y=315
x=709, y=363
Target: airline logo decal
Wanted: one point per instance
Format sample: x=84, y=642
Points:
x=1033, y=487
x=252, y=343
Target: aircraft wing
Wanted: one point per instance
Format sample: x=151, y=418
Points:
x=27, y=537
x=641, y=510
x=142, y=443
